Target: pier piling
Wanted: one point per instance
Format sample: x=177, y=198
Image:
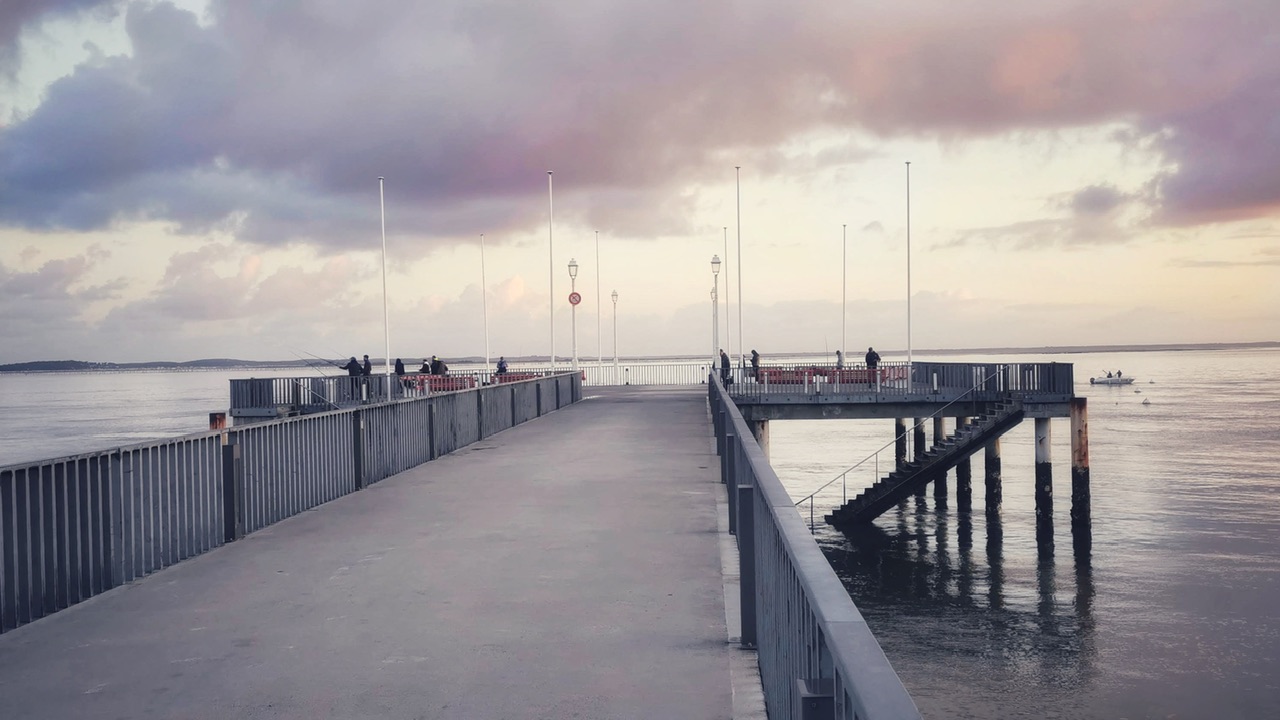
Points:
x=899, y=443
x=1044, y=469
x=991, y=458
x=1080, y=513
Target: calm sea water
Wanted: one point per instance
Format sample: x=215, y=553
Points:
x=1172, y=611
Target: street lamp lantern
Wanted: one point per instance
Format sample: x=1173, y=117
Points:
x=715, y=264
x=573, y=268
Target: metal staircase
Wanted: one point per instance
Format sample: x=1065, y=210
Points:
x=900, y=484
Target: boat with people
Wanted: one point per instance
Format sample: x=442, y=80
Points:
x=1116, y=378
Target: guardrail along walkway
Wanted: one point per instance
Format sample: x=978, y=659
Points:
x=567, y=567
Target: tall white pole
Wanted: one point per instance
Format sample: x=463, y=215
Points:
x=573, y=317
x=715, y=319
x=908, y=273
x=737, y=170
x=844, y=287
x=599, y=340
x=551, y=267
x=728, y=319
x=484, y=302
x=386, y=316
x=615, y=337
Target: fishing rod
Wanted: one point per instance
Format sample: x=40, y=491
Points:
x=307, y=386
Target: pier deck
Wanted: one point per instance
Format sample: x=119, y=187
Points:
x=567, y=567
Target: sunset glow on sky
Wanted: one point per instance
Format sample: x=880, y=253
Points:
x=200, y=178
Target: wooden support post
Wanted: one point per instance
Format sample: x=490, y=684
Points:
x=992, y=469
x=1080, y=513
x=964, y=475
x=760, y=429
x=899, y=443
x=1044, y=469
x=918, y=440
x=939, y=434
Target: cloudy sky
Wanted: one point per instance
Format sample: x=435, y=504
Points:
x=200, y=178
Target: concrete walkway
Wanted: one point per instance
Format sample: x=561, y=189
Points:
x=566, y=568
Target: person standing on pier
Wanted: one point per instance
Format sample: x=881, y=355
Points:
x=873, y=358
x=839, y=360
x=755, y=364
x=399, y=366
x=352, y=367
x=368, y=368
x=502, y=365
x=725, y=371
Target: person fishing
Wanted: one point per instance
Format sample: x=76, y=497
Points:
x=873, y=358
x=726, y=376
x=353, y=367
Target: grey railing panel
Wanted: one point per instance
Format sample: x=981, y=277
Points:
x=497, y=409
x=466, y=418
x=73, y=527
x=805, y=624
x=524, y=402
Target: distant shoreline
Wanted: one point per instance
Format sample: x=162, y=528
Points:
x=230, y=363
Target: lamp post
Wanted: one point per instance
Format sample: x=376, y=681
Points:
x=737, y=170
x=715, y=311
x=573, y=284
x=615, y=337
x=599, y=297
x=908, y=273
x=715, y=300
x=551, y=273
x=386, y=321
x=484, y=303
x=844, y=287
x=728, y=318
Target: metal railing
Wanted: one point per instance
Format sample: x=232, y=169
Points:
x=810, y=637
x=981, y=381
x=73, y=527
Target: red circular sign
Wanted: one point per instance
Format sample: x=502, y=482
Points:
x=574, y=298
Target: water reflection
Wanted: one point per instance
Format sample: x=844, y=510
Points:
x=1014, y=609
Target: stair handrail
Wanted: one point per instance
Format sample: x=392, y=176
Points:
x=844, y=494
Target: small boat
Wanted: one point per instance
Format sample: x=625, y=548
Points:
x=1111, y=381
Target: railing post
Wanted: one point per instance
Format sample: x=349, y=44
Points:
x=357, y=446
x=232, y=492
x=728, y=470
x=747, y=560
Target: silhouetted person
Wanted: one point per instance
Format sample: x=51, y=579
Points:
x=399, y=366
x=725, y=369
x=873, y=358
x=839, y=360
x=755, y=363
x=352, y=367
x=367, y=369
x=426, y=366
x=502, y=366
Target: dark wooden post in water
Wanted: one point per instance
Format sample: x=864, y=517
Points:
x=1044, y=470
x=939, y=434
x=918, y=439
x=964, y=475
x=899, y=443
x=1080, y=513
x=992, y=469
